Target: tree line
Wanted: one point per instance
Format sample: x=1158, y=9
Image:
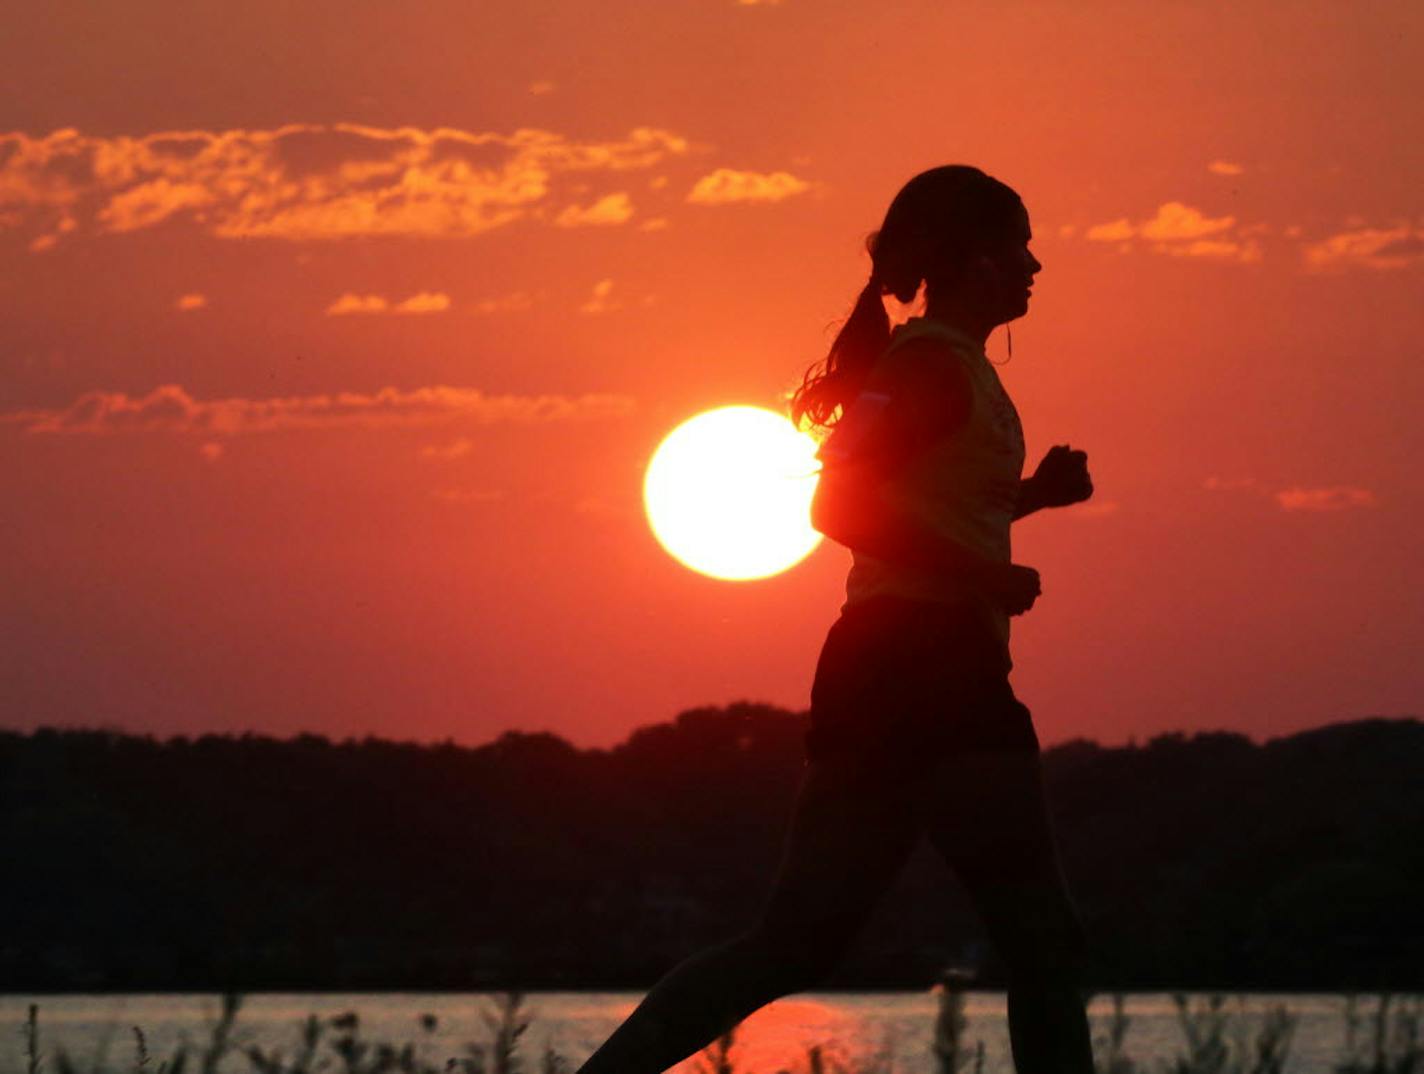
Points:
x=248, y=862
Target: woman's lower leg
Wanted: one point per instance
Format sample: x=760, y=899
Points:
x=694, y=1004
x=1048, y=1024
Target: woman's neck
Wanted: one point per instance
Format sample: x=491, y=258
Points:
x=971, y=322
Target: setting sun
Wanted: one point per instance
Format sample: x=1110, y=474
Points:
x=728, y=493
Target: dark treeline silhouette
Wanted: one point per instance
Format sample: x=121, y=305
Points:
x=1203, y=861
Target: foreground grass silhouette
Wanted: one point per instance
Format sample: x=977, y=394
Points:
x=1214, y=1042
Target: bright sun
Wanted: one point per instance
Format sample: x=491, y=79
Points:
x=728, y=493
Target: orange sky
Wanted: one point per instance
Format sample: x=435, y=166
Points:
x=336, y=341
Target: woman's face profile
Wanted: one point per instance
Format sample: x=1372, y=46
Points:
x=992, y=287
x=1009, y=269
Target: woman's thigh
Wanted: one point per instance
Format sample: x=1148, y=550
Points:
x=987, y=814
x=851, y=829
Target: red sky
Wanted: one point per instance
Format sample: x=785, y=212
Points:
x=336, y=339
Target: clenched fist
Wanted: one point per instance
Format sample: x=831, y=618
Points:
x=1062, y=477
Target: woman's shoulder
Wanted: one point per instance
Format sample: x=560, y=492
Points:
x=927, y=335
x=916, y=354
x=927, y=389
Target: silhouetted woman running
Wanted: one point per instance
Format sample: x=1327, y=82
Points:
x=914, y=727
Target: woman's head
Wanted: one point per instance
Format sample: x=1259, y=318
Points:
x=954, y=229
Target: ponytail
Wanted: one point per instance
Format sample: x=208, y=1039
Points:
x=862, y=338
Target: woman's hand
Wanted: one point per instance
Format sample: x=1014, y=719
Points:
x=1062, y=477
x=1010, y=586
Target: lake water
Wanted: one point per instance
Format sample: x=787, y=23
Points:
x=772, y=1039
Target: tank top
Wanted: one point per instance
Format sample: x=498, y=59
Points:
x=965, y=486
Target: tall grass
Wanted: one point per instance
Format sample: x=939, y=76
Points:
x=1109, y=1057
x=1217, y=1043
x=1215, y=1040
x=1394, y=1046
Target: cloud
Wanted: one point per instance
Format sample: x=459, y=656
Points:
x=1333, y=498
x=1180, y=230
x=461, y=445
x=610, y=209
x=303, y=181
x=192, y=301
x=424, y=302
x=540, y=88
x=421, y=302
x=1337, y=498
x=354, y=303
x=1224, y=167
x=599, y=301
x=1373, y=248
x=727, y=185
x=169, y=408
x=1222, y=249
x=211, y=451
x=152, y=203
x=1115, y=231
x=1177, y=221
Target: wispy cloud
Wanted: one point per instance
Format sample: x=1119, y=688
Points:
x=1372, y=248
x=1114, y=231
x=421, y=302
x=599, y=301
x=1177, y=221
x=169, y=408
x=728, y=185
x=1336, y=498
x=1181, y=230
x=302, y=181
x=354, y=303
x=610, y=209
x=190, y=302
x=1224, y=167
x=1297, y=498
x=460, y=446
x=424, y=302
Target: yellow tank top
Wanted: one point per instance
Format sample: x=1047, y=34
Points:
x=966, y=487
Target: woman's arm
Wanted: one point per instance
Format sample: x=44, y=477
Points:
x=1030, y=499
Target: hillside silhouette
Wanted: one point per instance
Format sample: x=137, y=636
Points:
x=1201, y=861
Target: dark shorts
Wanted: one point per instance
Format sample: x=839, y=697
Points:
x=904, y=682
